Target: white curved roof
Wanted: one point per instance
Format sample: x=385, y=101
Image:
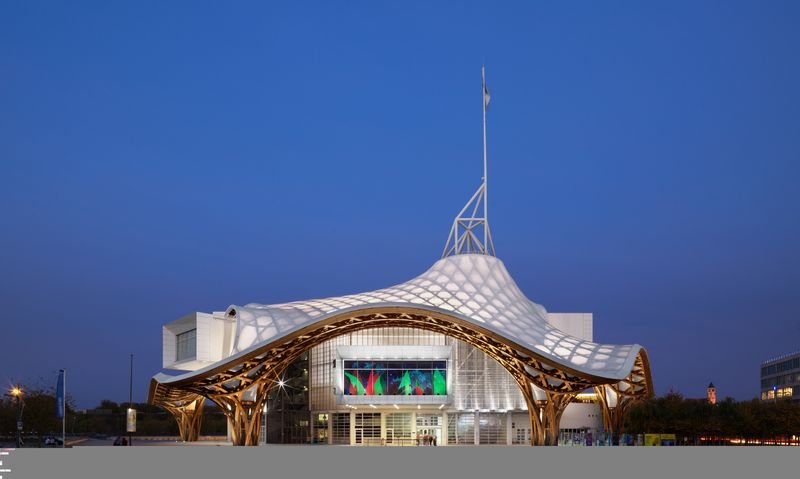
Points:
x=473, y=287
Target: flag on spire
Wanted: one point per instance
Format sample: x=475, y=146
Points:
x=486, y=96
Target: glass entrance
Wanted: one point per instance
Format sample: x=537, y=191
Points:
x=368, y=428
x=399, y=429
x=429, y=429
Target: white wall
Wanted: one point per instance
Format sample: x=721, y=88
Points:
x=214, y=338
x=582, y=415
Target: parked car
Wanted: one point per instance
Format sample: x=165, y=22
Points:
x=53, y=441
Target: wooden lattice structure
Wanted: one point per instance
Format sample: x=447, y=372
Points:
x=240, y=386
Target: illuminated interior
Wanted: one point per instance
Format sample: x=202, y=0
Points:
x=395, y=378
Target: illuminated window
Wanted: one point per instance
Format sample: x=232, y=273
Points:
x=341, y=428
x=368, y=427
x=395, y=378
x=492, y=428
x=461, y=428
x=187, y=345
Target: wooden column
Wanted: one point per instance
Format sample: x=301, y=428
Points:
x=537, y=432
x=189, y=416
x=244, y=415
x=552, y=411
x=614, y=409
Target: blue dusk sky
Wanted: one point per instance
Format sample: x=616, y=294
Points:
x=160, y=158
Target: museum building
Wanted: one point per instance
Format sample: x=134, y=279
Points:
x=456, y=355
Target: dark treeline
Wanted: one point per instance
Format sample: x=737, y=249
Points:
x=696, y=418
x=109, y=418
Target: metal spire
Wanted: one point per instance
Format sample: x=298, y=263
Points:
x=465, y=237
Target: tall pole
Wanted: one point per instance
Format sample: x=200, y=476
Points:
x=18, y=394
x=484, y=97
x=130, y=401
x=64, y=415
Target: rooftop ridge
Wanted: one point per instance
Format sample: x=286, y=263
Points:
x=781, y=357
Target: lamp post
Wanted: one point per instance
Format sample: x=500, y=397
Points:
x=16, y=391
x=130, y=406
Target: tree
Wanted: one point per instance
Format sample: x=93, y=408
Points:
x=695, y=418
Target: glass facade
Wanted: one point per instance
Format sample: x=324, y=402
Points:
x=461, y=428
x=428, y=389
x=780, y=378
x=481, y=383
x=288, y=417
x=320, y=428
x=477, y=392
x=325, y=375
x=520, y=429
x=400, y=429
x=492, y=429
x=779, y=393
x=477, y=382
x=395, y=378
x=368, y=428
x=341, y=428
x=187, y=345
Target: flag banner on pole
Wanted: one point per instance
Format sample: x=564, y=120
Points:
x=486, y=96
x=60, y=395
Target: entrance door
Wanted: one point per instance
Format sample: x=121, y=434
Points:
x=429, y=432
x=359, y=435
x=437, y=433
x=430, y=426
x=389, y=435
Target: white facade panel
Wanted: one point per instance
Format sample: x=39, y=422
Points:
x=204, y=328
x=170, y=332
x=582, y=416
x=168, y=347
x=213, y=337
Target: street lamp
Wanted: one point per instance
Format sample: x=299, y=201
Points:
x=16, y=391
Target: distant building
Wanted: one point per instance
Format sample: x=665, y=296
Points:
x=780, y=378
x=711, y=393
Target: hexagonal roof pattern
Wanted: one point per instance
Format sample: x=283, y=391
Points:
x=473, y=287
